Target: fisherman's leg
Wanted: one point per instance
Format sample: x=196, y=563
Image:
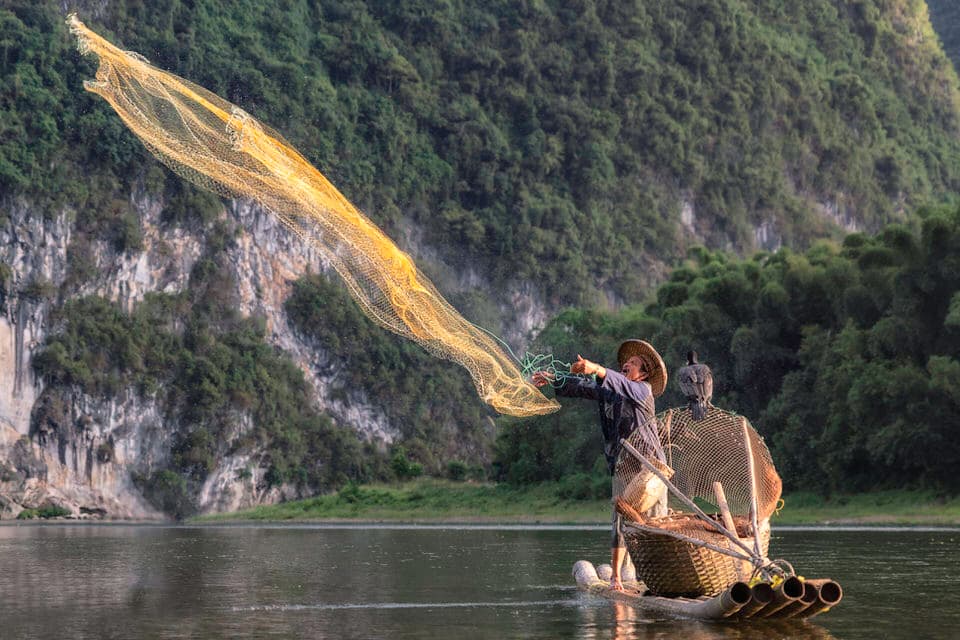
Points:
x=617, y=552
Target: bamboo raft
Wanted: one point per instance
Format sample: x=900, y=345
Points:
x=794, y=597
x=691, y=564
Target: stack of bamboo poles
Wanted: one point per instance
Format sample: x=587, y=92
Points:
x=790, y=598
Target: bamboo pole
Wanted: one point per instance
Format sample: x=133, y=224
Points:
x=627, y=511
x=807, y=600
x=753, y=486
x=724, y=605
x=667, y=426
x=829, y=595
x=737, y=602
x=784, y=593
x=724, y=507
x=761, y=595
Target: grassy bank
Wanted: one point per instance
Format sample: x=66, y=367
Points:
x=883, y=507
x=428, y=500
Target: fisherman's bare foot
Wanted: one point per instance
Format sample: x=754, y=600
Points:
x=615, y=584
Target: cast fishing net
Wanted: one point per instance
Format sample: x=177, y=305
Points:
x=219, y=147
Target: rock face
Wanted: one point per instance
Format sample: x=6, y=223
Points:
x=81, y=455
x=267, y=260
x=71, y=450
x=64, y=448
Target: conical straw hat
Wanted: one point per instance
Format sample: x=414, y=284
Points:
x=654, y=363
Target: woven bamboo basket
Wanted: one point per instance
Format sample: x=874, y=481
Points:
x=672, y=567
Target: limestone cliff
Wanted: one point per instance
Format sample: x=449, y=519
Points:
x=65, y=448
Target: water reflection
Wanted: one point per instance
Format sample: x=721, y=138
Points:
x=250, y=582
x=626, y=619
x=621, y=621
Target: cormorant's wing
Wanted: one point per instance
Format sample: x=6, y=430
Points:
x=689, y=384
x=704, y=382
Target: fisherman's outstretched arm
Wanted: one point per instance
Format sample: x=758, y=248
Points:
x=571, y=387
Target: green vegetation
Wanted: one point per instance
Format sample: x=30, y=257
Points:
x=43, y=513
x=432, y=499
x=207, y=367
x=883, y=507
x=845, y=358
x=58, y=145
x=205, y=378
x=6, y=277
x=945, y=16
x=459, y=471
x=544, y=143
x=168, y=492
x=439, y=501
x=403, y=467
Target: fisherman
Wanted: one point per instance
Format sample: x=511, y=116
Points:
x=625, y=401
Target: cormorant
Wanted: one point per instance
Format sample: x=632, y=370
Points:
x=696, y=383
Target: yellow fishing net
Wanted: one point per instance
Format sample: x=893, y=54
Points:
x=215, y=145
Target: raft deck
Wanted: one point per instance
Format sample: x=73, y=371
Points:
x=792, y=598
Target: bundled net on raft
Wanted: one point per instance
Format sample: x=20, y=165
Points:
x=219, y=147
x=672, y=553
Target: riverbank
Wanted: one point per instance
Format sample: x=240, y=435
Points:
x=884, y=507
x=428, y=500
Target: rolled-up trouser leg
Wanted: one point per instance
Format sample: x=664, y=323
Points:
x=616, y=534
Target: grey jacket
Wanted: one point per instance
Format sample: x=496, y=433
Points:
x=624, y=406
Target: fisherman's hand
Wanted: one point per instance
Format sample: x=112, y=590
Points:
x=586, y=367
x=543, y=378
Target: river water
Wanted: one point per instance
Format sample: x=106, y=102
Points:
x=119, y=581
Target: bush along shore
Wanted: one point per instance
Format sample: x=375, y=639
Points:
x=429, y=500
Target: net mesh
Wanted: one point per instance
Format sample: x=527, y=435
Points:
x=219, y=147
x=701, y=452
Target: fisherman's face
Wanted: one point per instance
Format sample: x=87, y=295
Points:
x=634, y=369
